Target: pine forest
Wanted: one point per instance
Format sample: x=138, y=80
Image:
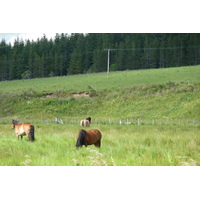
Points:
x=78, y=53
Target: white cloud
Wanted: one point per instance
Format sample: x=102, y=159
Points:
x=11, y=37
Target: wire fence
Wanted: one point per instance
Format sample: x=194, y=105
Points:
x=109, y=121
x=139, y=121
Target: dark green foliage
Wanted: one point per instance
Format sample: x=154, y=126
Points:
x=82, y=53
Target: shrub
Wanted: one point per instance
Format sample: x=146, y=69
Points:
x=26, y=75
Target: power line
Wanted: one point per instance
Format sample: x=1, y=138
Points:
x=151, y=48
x=71, y=54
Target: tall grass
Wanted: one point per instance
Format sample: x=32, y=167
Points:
x=125, y=145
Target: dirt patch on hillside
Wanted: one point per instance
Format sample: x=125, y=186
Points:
x=50, y=95
x=75, y=95
x=80, y=94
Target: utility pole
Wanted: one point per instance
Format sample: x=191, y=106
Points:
x=108, y=66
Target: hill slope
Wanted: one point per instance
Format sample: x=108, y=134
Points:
x=150, y=94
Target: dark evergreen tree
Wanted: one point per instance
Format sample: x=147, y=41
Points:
x=76, y=65
x=155, y=54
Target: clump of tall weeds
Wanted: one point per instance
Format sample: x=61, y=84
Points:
x=94, y=158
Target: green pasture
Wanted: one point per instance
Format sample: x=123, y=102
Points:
x=153, y=94
x=122, y=145
x=102, y=81
x=162, y=104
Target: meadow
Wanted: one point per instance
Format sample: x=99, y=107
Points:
x=166, y=101
x=121, y=146
x=102, y=81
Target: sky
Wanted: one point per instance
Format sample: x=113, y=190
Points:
x=11, y=37
x=164, y=17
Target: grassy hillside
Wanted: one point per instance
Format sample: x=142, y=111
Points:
x=160, y=93
x=103, y=81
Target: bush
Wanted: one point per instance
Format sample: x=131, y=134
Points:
x=26, y=75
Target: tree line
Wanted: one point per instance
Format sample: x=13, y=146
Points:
x=79, y=53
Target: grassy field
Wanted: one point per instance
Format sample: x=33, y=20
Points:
x=102, y=81
x=166, y=101
x=121, y=146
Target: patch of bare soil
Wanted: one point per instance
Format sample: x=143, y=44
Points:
x=50, y=95
x=80, y=94
x=75, y=95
